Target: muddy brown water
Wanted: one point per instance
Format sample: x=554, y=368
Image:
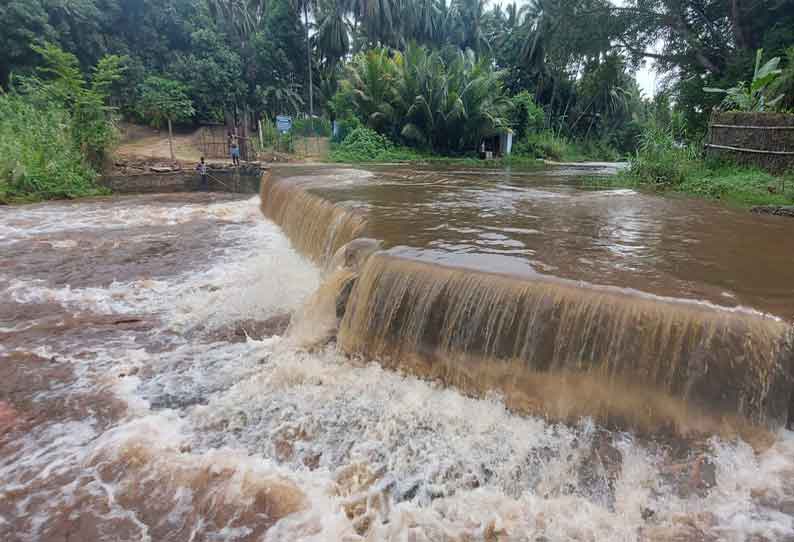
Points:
x=549, y=222
x=150, y=391
x=502, y=280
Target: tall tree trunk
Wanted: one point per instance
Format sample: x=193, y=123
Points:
x=736, y=20
x=171, y=140
x=309, y=58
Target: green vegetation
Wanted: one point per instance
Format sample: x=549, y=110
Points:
x=753, y=97
x=666, y=164
x=319, y=127
x=38, y=155
x=56, y=129
x=436, y=78
x=424, y=99
x=165, y=100
x=548, y=145
x=524, y=115
x=365, y=145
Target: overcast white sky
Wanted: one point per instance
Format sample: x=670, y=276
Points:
x=646, y=78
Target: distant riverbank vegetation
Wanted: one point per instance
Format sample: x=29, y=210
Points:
x=434, y=78
x=663, y=163
x=669, y=158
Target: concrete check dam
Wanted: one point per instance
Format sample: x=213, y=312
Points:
x=649, y=313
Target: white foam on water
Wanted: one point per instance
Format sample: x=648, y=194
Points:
x=330, y=448
x=57, y=217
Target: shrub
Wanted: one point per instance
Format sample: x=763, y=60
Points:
x=39, y=158
x=366, y=142
x=661, y=159
x=56, y=129
x=544, y=145
x=366, y=145
x=524, y=115
x=92, y=122
x=344, y=127
x=754, y=97
x=600, y=149
x=286, y=143
x=302, y=127
x=269, y=133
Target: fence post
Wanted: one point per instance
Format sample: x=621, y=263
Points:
x=261, y=138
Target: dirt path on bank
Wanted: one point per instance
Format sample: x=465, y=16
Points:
x=148, y=142
x=145, y=142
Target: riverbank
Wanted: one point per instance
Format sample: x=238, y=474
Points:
x=365, y=147
x=738, y=186
x=515, y=162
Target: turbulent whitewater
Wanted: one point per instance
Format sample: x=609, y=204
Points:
x=154, y=385
x=623, y=324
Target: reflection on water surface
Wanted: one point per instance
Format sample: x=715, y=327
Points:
x=548, y=222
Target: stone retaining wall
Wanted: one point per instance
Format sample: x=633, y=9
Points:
x=244, y=179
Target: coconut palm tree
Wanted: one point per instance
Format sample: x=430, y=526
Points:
x=241, y=18
x=307, y=6
x=333, y=31
x=371, y=83
x=449, y=106
x=471, y=14
x=377, y=18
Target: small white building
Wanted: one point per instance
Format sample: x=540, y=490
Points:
x=500, y=144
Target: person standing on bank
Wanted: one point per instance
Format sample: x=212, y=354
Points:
x=202, y=170
x=234, y=149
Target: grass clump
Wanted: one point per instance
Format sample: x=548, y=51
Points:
x=740, y=185
x=662, y=160
x=547, y=145
x=664, y=163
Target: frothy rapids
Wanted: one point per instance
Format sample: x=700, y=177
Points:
x=150, y=390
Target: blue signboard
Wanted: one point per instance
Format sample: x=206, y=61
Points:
x=283, y=124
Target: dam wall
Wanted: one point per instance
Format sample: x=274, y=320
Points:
x=219, y=179
x=552, y=347
x=318, y=228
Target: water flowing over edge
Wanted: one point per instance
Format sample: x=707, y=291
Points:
x=555, y=347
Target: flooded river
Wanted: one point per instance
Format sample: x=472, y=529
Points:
x=530, y=223
x=150, y=388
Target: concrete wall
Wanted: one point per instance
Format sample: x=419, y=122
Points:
x=246, y=180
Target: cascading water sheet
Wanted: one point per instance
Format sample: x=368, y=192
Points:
x=624, y=324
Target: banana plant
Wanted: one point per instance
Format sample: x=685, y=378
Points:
x=753, y=97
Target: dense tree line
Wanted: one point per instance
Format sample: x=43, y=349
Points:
x=231, y=56
x=244, y=59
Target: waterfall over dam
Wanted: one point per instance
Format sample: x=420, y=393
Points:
x=663, y=354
